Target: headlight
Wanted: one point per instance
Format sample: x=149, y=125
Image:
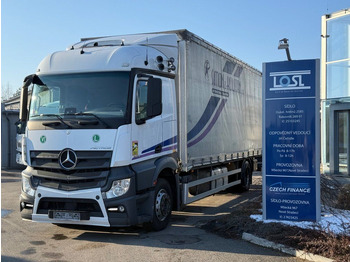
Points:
x=19, y=159
x=27, y=187
x=24, y=150
x=19, y=143
x=118, y=188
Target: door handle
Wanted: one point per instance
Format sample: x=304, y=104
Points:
x=158, y=149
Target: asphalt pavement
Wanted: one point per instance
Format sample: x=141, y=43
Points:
x=183, y=240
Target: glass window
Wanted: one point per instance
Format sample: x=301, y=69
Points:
x=44, y=100
x=338, y=41
x=338, y=79
x=104, y=95
x=141, y=99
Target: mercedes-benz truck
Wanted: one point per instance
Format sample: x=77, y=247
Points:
x=121, y=130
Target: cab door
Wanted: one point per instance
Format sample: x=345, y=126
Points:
x=147, y=127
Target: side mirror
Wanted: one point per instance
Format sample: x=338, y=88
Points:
x=24, y=98
x=154, y=97
x=20, y=127
x=23, y=113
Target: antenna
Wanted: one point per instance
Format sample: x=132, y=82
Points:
x=82, y=50
x=146, y=61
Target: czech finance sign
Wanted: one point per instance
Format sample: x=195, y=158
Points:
x=291, y=140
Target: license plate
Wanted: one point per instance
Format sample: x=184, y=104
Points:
x=61, y=215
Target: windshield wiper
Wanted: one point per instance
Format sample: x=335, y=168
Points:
x=57, y=116
x=89, y=114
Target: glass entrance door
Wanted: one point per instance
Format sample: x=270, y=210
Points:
x=339, y=139
x=343, y=131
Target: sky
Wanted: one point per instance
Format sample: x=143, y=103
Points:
x=247, y=29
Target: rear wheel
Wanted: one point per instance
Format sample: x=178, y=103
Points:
x=246, y=172
x=162, y=205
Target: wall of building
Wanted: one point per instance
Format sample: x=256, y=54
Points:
x=335, y=93
x=8, y=139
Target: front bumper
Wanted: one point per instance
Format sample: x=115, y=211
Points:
x=101, y=212
x=96, y=209
x=43, y=193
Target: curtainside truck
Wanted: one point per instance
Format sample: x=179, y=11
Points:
x=121, y=130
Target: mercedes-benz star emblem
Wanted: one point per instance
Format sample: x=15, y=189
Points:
x=68, y=159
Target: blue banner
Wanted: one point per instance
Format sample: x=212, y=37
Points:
x=291, y=140
x=290, y=137
x=291, y=199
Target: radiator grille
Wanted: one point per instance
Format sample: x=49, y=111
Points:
x=91, y=170
x=86, y=159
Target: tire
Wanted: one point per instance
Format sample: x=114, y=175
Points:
x=246, y=172
x=162, y=205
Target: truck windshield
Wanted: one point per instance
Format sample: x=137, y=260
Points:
x=102, y=96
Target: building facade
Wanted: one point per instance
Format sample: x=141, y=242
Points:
x=335, y=93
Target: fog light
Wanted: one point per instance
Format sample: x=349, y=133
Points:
x=113, y=209
x=118, y=188
x=121, y=208
x=26, y=205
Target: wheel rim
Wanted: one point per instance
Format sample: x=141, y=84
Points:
x=163, y=205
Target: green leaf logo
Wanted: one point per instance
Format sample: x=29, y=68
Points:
x=96, y=138
x=43, y=139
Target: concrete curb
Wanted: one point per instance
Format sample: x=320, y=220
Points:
x=284, y=249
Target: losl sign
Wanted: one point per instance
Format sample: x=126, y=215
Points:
x=291, y=140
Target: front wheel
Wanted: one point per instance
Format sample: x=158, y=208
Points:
x=162, y=205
